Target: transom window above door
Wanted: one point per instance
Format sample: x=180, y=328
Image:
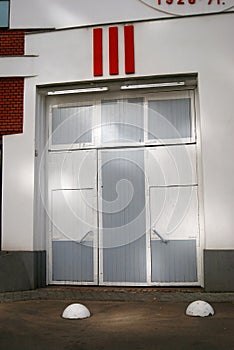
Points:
x=119, y=120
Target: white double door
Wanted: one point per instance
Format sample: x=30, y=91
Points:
x=119, y=217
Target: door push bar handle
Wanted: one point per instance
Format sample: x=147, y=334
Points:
x=161, y=238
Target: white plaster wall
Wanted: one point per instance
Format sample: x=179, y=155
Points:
x=73, y=13
x=18, y=180
x=17, y=212
x=64, y=55
x=203, y=46
x=217, y=128
x=17, y=66
x=198, y=44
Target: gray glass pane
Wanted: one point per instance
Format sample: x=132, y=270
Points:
x=122, y=121
x=72, y=125
x=4, y=14
x=169, y=119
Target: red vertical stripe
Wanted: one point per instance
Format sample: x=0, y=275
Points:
x=97, y=52
x=129, y=49
x=113, y=51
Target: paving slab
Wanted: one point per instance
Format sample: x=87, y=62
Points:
x=117, y=294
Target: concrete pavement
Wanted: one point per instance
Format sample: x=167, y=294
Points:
x=114, y=325
x=122, y=318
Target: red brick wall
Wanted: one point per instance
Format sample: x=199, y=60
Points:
x=11, y=89
x=11, y=105
x=12, y=42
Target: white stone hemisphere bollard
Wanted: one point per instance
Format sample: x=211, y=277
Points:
x=75, y=312
x=200, y=308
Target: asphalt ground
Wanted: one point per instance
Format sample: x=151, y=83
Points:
x=114, y=325
x=122, y=318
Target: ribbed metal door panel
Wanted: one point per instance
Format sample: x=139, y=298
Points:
x=123, y=216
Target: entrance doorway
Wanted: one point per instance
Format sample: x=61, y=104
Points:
x=123, y=190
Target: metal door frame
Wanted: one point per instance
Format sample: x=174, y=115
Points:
x=98, y=250
x=98, y=263
x=199, y=238
x=96, y=234
x=198, y=246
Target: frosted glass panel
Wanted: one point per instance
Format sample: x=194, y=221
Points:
x=169, y=119
x=122, y=121
x=72, y=125
x=73, y=215
x=174, y=211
